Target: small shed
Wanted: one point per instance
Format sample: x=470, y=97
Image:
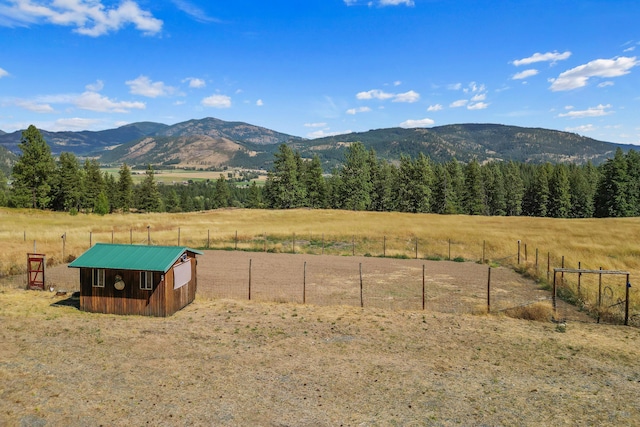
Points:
x=135, y=279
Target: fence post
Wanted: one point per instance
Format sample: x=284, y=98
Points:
x=525, y=253
x=249, y=279
x=304, y=284
x=579, y=278
x=384, y=246
x=208, y=238
x=64, y=240
x=178, y=236
x=489, y=291
x=548, y=265
x=293, y=244
x=562, y=275
x=553, y=297
x=518, y=252
x=90, y=240
x=416, y=248
x=148, y=235
x=626, y=304
x=235, y=248
x=353, y=245
x=599, y=293
x=449, y=257
x=536, y=261
x=423, y=291
x=361, y=300
x=484, y=248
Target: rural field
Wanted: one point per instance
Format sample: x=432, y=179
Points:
x=224, y=360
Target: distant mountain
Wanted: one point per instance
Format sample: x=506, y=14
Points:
x=86, y=142
x=484, y=142
x=211, y=142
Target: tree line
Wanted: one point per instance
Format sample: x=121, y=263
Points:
x=363, y=182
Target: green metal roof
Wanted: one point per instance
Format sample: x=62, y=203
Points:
x=130, y=257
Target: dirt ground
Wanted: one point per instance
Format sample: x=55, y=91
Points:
x=229, y=363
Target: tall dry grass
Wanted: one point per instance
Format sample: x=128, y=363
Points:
x=608, y=243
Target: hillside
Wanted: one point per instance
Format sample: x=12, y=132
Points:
x=212, y=142
x=485, y=142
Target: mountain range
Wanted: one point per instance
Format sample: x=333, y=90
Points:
x=214, y=143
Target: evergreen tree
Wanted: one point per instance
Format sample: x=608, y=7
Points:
x=4, y=190
x=101, y=206
x=581, y=193
x=559, y=193
x=316, y=188
x=382, y=178
x=455, y=187
x=473, y=201
x=93, y=184
x=111, y=191
x=283, y=189
x=148, y=199
x=125, y=189
x=495, y=200
x=536, y=201
x=413, y=185
x=513, y=190
x=355, y=179
x=67, y=184
x=32, y=172
x=633, y=171
x=172, y=201
x=222, y=193
x=254, y=196
x=612, y=198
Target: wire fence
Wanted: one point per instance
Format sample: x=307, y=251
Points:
x=395, y=272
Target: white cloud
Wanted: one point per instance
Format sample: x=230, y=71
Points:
x=397, y=83
x=579, y=76
x=581, y=129
x=95, y=87
x=421, y=123
x=3, y=73
x=542, y=57
x=605, y=84
x=474, y=88
x=35, y=107
x=75, y=123
x=396, y=2
x=459, y=103
x=322, y=133
x=89, y=17
x=409, y=97
x=145, y=87
x=525, y=74
x=315, y=125
x=374, y=94
x=217, y=101
x=358, y=110
x=600, y=110
x=195, y=83
x=454, y=86
x=630, y=49
x=477, y=106
x=436, y=107
x=479, y=97
x=194, y=11
x=93, y=101
x=259, y=103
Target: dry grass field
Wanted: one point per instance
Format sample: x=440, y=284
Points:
x=230, y=363
x=235, y=362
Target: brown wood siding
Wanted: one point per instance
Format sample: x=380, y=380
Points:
x=163, y=300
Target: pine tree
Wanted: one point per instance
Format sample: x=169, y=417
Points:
x=581, y=193
x=316, y=188
x=93, y=184
x=254, y=196
x=222, y=194
x=536, y=201
x=111, y=191
x=101, y=206
x=172, y=201
x=67, y=184
x=32, y=172
x=413, y=185
x=125, y=189
x=382, y=178
x=612, y=198
x=513, y=190
x=148, y=199
x=495, y=200
x=283, y=190
x=4, y=190
x=455, y=187
x=559, y=193
x=354, y=192
x=473, y=201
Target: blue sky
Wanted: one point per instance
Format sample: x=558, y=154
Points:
x=321, y=67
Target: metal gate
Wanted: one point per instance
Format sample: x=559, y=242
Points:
x=35, y=268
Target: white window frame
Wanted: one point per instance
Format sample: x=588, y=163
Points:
x=146, y=280
x=97, y=277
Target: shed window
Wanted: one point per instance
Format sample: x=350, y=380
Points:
x=97, y=277
x=146, y=280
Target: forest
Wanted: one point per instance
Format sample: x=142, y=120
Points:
x=362, y=182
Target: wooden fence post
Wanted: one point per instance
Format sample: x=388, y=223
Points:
x=148, y=235
x=579, y=278
x=484, y=247
x=423, y=290
x=178, y=236
x=548, y=265
x=293, y=244
x=208, y=238
x=449, y=257
x=304, y=284
x=236, y=242
x=416, y=248
x=489, y=291
x=361, y=300
x=518, y=252
x=599, y=293
x=249, y=279
x=384, y=246
x=353, y=245
x=90, y=240
x=626, y=304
